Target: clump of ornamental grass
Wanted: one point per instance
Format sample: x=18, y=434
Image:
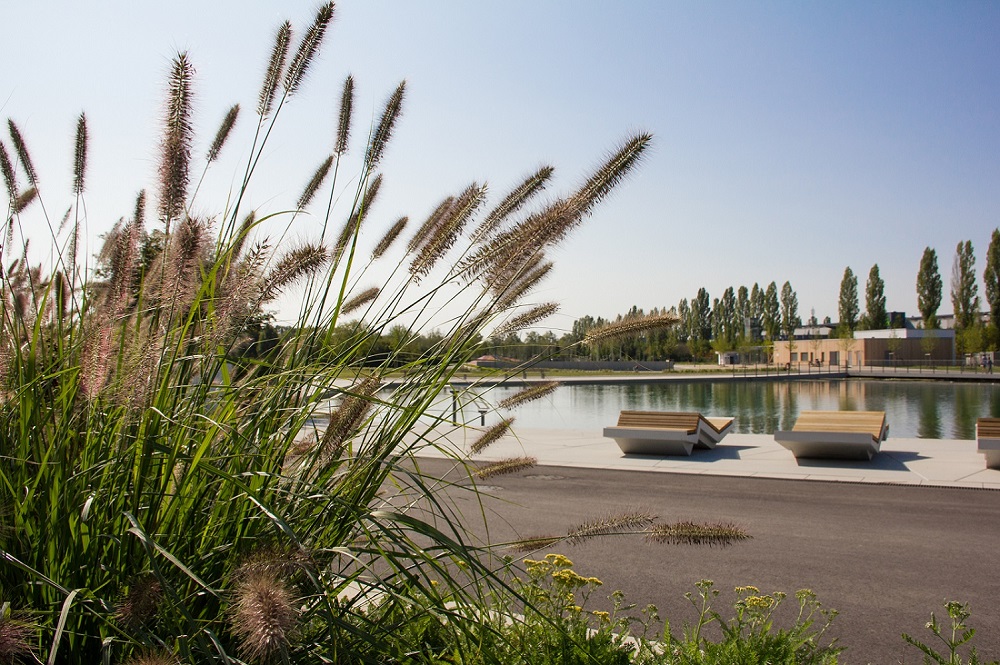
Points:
x=160, y=431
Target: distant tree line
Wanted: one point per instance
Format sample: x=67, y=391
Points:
x=741, y=319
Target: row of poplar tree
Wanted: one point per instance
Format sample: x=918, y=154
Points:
x=743, y=317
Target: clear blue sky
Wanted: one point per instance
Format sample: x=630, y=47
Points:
x=793, y=139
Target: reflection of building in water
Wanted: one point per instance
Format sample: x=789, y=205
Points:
x=867, y=348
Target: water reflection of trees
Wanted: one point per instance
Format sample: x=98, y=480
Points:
x=921, y=409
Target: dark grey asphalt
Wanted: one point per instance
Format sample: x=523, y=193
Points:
x=884, y=556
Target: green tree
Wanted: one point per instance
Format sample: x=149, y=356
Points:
x=790, y=319
x=684, y=315
x=742, y=310
x=991, y=279
x=929, y=288
x=771, y=313
x=876, y=318
x=964, y=290
x=848, y=308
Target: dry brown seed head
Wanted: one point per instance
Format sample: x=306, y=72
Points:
x=308, y=48
x=360, y=300
x=527, y=319
x=631, y=327
x=344, y=117
x=383, y=132
x=314, y=183
x=175, y=151
x=513, y=202
x=263, y=615
x=490, y=436
x=504, y=467
x=531, y=393
x=22, y=153
x=228, y=122
x=276, y=64
x=390, y=237
x=80, y=155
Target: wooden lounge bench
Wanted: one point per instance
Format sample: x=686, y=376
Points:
x=666, y=432
x=835, y=434
x=988, y=436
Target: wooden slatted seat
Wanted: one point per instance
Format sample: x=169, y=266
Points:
x=666, y=432
x=835, y=434
x=988, y=437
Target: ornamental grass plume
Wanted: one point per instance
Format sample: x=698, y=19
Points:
x=16, y=638
x=691, y=533
x=80, y=155
x=490, y=436
x=276, y=65
x=504, y=467
x=390, y=236
x=175, y=151
x=263, y=615
x=627, y=522
x=529, y=394
x=185, y=429
x=527, y=319
x=383, y=132
x=630, y=327
x=344, y=117
x=222, y=134
x=360, y=300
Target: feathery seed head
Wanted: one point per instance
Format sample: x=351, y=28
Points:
x=344, y=118
x=276, y=64
x=314, y=183
x=691, y=533
x=491, y=436
x=7, y=169
x=390, y=237
x=631, y=327
x=444, y=235
x=263, y=615
x=352, y=411
x=614, y=169
x=527, y=319
x=432, y=221
x=25, y=199
x=358, y=215
x=139, y=214
x=630, y=521
x=504, y=467
x=80, y=155
x=16, y=637
x=140, y=603
x=519, y=287
x=297, y=263
x=176, y=148
x=22, y=153
x=513, y=202
x=222, y=134
x=531, y=393
x=385, y=126
x=307, y=48
x=360, y=300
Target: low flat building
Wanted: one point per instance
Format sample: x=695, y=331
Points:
x=869, y=348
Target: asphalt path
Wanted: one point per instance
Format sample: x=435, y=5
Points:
x=883, y=556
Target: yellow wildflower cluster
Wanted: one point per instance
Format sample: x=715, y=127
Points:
x=758, y=602
x=570, y=578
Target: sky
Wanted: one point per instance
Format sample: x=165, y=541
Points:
x=792, y=139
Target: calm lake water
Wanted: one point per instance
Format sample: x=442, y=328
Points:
x=914, y=409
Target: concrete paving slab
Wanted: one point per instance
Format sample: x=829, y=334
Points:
x=936, y=462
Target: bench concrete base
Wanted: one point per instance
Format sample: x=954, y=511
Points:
x=990, y=448
x=829, y=445
x=639, y=441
